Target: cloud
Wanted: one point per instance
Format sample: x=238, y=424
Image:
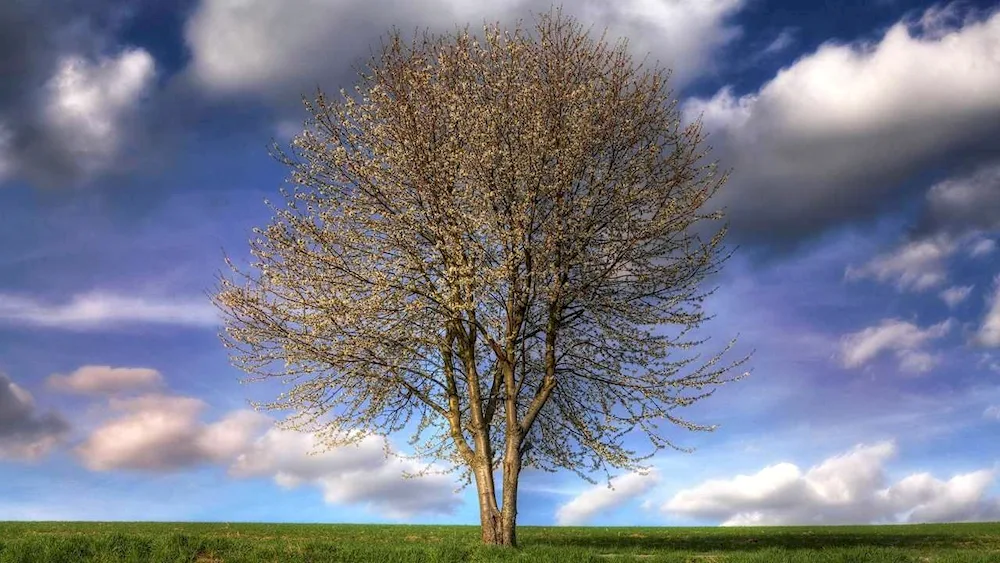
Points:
x=261, y=48
x=832, y=137
x=98, y=380
x=162, y=433
x=904, y=338
x=992, y=412
x=964, y=204
x=957, y=214
x=26, y=434
x=916, y=265
x=99, y=310
x=88, y=104
x=347, y=475
x=849, y=488
x=955, y=295
x=989, y=331
x=783, y=41
x=988, y=361
x=70, y=94
x=6, y=160
x=982, y=247
x=601, y=499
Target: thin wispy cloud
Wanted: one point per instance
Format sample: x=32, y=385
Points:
x=906, y=340
x=99, y=311
x=988, y=334
x=99, y=380
x=955, y=295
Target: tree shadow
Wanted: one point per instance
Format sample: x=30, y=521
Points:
x=753, y=540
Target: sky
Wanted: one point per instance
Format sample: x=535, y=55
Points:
x=864, y=143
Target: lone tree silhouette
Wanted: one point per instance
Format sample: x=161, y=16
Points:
x=498, y=242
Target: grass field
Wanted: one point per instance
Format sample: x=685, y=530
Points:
x=45, y=542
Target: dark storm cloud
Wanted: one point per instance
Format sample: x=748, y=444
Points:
x=68, y=89
x=24, y=432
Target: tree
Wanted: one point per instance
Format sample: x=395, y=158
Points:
x=498, y=242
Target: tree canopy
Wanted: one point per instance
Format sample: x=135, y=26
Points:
x=494, y=242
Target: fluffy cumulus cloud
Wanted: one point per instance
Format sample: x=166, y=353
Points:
x=97, y=380
x=26, y=433
x=845, y=489
x=162, y=432
x=602, y=498
x=102, y=310
x=261, y=48
x=832, y=136
x=989, y=331
x=360, y=474
x=906, y=340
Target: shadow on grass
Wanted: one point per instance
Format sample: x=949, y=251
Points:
x=752, y=542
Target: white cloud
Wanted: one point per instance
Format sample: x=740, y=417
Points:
x=916, y=265
x=830, y=137
x=849, y=488
x=904, y=338
x=359, y=474
x=26, y=434
x=97, y=310
x=955, y=295
x=784, y=40
x=162, y=432
x=600, y=499
x=96, y=380
x=89, y=102
x=989, y=331
x=261, y=47
x=982, y=247
x=992, y=412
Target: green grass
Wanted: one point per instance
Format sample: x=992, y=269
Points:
x=67, y=542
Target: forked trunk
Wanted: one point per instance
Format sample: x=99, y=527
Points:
x=492, y=526
x=498, y=526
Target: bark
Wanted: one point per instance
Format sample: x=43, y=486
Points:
x=490, y=516
x=499, y=525
x=511, y=474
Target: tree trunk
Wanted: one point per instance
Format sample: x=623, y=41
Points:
x=511, y=473
x=492, y=526
x=500, y=525
x=494, y=531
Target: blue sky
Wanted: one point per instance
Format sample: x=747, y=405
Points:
x=865, y=200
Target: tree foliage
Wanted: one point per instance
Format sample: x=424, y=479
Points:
x=496, y=242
